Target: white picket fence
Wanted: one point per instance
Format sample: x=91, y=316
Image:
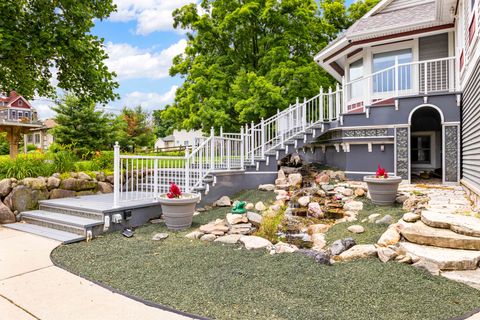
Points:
x=146, y=177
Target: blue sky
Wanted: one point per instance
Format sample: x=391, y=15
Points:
x=141, y=43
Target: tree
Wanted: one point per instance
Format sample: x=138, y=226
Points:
x=80, y=125
x=43, y=40
x=246, y=59
x=163, y=125
x=134, y=128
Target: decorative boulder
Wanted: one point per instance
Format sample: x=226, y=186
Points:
x=315, y=210
x=303, y=201
x=35, y=183
x=61, y=193
x=83, y=176
x=6, y=215
x=266, y=187
x=356, y=229
x=53, y=183
x=295, y=179
x=259, y=206
x=359, y=251
x=223, y=202
x=105, y=187
x=254, y=218
x=22, y=198
x=236, y=218
x=5, y=187
x=77, y=184
x=254, y=242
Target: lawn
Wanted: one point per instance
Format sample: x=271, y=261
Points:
x=225, y=282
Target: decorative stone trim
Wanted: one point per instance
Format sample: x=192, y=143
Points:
x=401, y=154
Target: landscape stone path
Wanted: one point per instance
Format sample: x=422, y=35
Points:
x=31, y=287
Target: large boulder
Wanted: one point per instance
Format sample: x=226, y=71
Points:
x=254, y=242
x=5, y=187
x=61, y=193
x=389, y=237
x=53, y=183
x=6, y=215
x=254, y=218
x=105, y=187
x=83, y=176
x=229, y=238
x=77, y=184
x=223, y=202
x=35, y=183
x=341, y=245
x=295, y=179
x=236, y=218
x=23, y=199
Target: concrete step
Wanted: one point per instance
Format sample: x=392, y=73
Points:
x=60, y=219
x=71, y=211
x=420, y=233
x=461, y=224
x=445, y=259
x=468, y=277
x=62, y=236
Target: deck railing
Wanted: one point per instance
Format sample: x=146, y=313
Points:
x=146, y=177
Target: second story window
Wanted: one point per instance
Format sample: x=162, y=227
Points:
x=20, y=103
x=356, y=72
x=386, y=79
x=14, y=115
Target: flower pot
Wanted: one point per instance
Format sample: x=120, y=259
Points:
x=383, y=191
x=178, y=212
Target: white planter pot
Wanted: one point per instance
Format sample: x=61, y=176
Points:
x=383, y=191
x=178, y=212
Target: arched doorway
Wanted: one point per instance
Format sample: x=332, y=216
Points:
x=426, y=145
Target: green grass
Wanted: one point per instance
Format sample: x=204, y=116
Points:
x=373, y=231
x=225, y=282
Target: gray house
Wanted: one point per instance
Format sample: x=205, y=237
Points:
x=410, y=91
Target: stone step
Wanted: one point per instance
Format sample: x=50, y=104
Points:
x=62, y=236
x=445, y=259
x=420, y=233
x=461, y=224
x=69, y=210
x=468, y=277
x=59, y=221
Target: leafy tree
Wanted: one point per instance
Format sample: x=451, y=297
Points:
x=134, y=128
x=40, y=39
x=80, y=125
x=163, y=125
x=246, y=59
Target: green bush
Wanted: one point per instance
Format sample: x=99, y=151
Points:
x=25, y=166
x=103, y=161
x=64, y=161
x=31, y=147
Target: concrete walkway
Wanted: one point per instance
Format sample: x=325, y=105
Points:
x=31, y=287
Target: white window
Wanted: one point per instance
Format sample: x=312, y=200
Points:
x=37, y=138
x=355, y=72
x=385, y=78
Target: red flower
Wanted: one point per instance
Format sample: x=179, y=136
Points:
x=174, y=191
x=381, y=173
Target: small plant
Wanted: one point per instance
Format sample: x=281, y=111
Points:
x=270, y=225
x=102, y=160
x=175, y=191
x=381, y=173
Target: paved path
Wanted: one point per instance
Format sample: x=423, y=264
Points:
x=31, y=287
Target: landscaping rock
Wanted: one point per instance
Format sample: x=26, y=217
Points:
x=35, y=183
x=386, y=254
x=6, y=215
x=229, y=238
x=315, y=210
x=389, y=237
x=427, y=266
x=22, y=198
x=160, y=236
x=282, y=247
x=401, y=199
x=443, y=258
x=386, y=220
x=208, y=237
x=319, y=241
x=249, y=206
x=327, y=187
x=83, y=176
x=303, y=201
x=353, y=206
x=266, y=187
x=359, y=192
x=5, y=187
x=53, y=183
x=105, y=187
x=466, y=225
x=411, y=217
x=254, y=218
x=254, y=242
x=420, y=233
x=319, y=256
x=61, y=193
x=356, y=229
x=318, y=228
x=194, y=235
x=110, y=179
x=236, y=218
x=223, y=202
x=374, y=217
x=322, y=178
x=100, y=176
x=347, y=192
x=216, y=226
x=275, y=207
x=77, y=184
x=259, y=206
x=359, y=251
x=341, y=245
x=295, y=179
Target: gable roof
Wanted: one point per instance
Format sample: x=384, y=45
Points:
x=12, y=97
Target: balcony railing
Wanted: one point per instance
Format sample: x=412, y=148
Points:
x=400, y=80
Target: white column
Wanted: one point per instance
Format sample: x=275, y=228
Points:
x=116, y=174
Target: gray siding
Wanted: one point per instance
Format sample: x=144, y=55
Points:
x=399, y=4
x=471, y=129
x=433, y=47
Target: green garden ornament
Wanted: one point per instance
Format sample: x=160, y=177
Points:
x=239, y=207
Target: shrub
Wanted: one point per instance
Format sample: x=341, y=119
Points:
x=103, y=161
x=25, y=166
x=31, y=147
x=269, y=227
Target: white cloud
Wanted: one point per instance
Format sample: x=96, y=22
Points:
x=149, y=100
x=150, y=15
x=43, y=107
x=133, y=63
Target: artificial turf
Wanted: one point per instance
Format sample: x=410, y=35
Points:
x=226, y=282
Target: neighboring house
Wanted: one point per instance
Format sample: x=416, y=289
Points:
x=15, y=108
x=403, y=68
x=179, y=138
x=42, y=137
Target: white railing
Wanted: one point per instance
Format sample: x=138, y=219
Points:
x=146, y=177
x=400, y=80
